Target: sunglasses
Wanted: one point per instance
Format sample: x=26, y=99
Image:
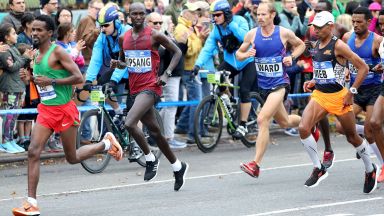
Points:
x=105, y=25
x=157, y=23
x=217, y=15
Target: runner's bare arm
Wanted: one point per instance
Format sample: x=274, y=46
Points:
x=68, y=64
x=346, y=37
x=342, y=49
x=169, y=45
x=247, y=48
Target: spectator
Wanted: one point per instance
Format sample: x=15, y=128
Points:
x=66, y=39
x=171, y=90
x=290, y=18
x=149, y=6
x=47, y=7
x=26, y=29
x=351, y=6
x=174, y=10
x=14, y=17
x=375, y=9
x=64, y=15
x=346, y=21
x=11, y=86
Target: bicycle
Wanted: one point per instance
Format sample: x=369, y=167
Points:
x=102, y=122
x=208, y=118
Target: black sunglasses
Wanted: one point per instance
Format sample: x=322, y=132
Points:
x=217, y=15
x=105, y=25
x=157, y=23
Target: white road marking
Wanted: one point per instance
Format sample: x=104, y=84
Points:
x=316, y=206
x=164, y=181
x=340, y=214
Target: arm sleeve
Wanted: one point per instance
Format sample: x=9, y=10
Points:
x=118, y=74
x=96, y=60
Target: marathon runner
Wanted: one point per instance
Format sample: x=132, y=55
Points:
x=55, y=73
x=366, y=45
x=139, y=48
x=269, y=44
x=329, y=59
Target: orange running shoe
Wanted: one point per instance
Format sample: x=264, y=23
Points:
x=26, y=209
x=115, y=150
x=380, y=178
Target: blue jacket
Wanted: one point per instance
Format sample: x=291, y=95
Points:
x=239, y=27
x=101, y=53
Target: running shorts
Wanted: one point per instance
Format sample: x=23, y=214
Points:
x=332, y=102
x=58, y=118
x=367, y=96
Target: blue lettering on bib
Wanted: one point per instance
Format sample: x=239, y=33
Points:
x=138, y=61
x=269, y=66
x=323, y=72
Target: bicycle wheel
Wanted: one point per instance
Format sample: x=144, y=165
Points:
x=208, y=124
x=151, y=141
x=94, y=122
x=249, y=139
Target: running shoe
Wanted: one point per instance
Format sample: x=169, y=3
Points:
x=2, y=149
x=151, y=170
x=381, y=176
x=316, y=133
x=291, y=132
x=115, y=150
x=16, y=146
x=26, y=209
x=370, y=182
x=174, y=144
x=9, y=148
x=240, y=132
x=180, y=176
x=328, y=159
x=251, y=168
x=316, y=177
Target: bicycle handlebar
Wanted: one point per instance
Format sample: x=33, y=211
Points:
x=107, y=93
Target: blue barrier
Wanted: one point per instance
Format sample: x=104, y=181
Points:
x=159, y=105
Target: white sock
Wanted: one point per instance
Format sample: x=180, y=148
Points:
x=362, y=150
x=310, y=145
x=377, y=153
x=360, y=129
x=176, y=166
x=150, y=157
x=118, y=111
x=33, y=201
x=107, y=144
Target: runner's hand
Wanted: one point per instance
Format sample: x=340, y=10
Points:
x=162, y=80
x=251, y=52
x=308, y=86
x=117, y=64
x=378, y=68
x=348, y=99
x=42, y=81
x=287, y=61
x=87, y=85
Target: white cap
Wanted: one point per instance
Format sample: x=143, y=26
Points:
x=323, y=18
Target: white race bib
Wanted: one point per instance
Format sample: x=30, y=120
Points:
x=269, y=66
x=138, y=61
x=46, y=92
x=323, y=72
x=353, y=70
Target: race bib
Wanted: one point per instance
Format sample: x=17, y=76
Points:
x=138, y=61
x=46, y=92
x=353, y=69
x=323, y=72
x=269, y=66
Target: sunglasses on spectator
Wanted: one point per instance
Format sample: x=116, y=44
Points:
x=157, y=23
x=217, y=15
x=105, y=25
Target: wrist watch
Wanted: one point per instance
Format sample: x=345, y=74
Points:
x=168, y=72
x=293, y=57
x=53, y=82
x=353, y=90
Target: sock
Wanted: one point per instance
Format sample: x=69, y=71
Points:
x=176, y=166
x=118, y=111
x=377, y=153
x=107, y=144
x=362, y=150
x=360, y=129
x=150, y=157
x=243, y=123
x=33, y=201
x=310, y=145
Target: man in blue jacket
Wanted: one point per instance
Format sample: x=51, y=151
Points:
x=229, y=31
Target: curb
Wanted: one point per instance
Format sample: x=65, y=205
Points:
x=11, y=158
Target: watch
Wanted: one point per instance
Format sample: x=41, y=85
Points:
x=168, y=72
x=53, y=82
x=353, y=90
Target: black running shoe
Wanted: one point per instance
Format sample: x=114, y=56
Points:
x=316, y=177
x=240, y=132
x=180, y=176
x=151, y=170
x=371, y=180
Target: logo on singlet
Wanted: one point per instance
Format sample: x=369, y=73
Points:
x=138, y=61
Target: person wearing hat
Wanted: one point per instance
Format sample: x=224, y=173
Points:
x=47, y=7
x=330, y=56
x=267, y=45
x=366, y=45
x=375, y=9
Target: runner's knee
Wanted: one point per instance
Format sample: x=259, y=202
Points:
x=375, y=123
x=304, y=130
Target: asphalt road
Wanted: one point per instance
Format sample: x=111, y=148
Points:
x=215, y=185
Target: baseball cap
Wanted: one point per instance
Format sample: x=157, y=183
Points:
x=202, y=5
x=191, y=6
x=374, y=6
x=323, y=18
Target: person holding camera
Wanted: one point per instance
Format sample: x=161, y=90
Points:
x=229, y=32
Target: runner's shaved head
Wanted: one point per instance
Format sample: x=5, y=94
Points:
x=137, y=6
